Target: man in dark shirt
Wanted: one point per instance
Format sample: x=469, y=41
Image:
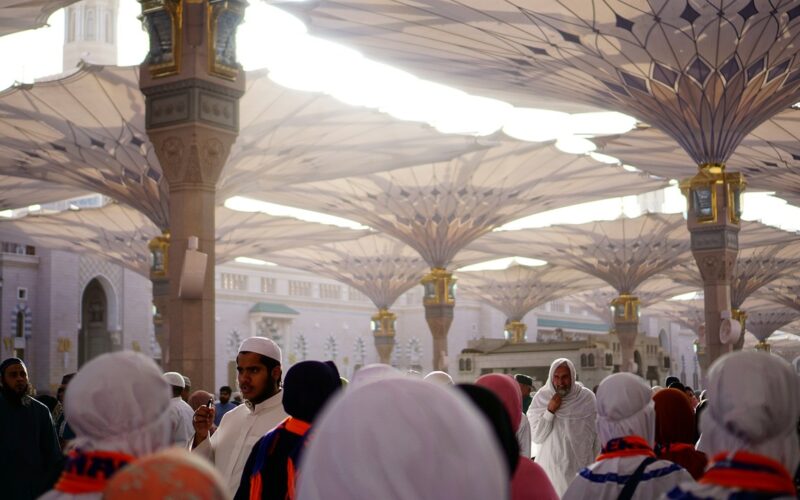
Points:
x=224, y=405
x=30, y=458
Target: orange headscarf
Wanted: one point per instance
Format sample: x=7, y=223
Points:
x=170, y=473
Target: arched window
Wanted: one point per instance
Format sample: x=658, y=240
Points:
x=583, y=360
x=591, y=359
x=462, y=366
x=469, y=365
x=609, y=359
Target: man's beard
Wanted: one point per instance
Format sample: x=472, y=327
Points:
x=562, y=390
x=15, y=396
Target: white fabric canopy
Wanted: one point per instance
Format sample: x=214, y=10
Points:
x=623, y=252
x=380, y=267
x=439, y=208
x=86, y=129
x=705, y=73
x=519, y=289
x=122, y=234
x=21, y=15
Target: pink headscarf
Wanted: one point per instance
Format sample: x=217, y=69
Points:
x=530, y=482
x=507, y=389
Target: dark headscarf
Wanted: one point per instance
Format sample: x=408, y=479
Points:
x=674, y=418
x=307, y=387
x=492, y=408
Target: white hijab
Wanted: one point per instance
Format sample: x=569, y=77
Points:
x=753, y=404
x=373, y=372
x=118, y=402
x=579, y=403
x=402, y=438
x=625, y=408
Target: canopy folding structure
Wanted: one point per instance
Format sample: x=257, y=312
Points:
x=123, y=235
x=769, y=156
x=519, y=289
x=624, y=253
x=440, y=208
x=86, y=130
x=21, y=15
x=379, y=266
x=764, y=322
x=706, y=74
x=649, y=293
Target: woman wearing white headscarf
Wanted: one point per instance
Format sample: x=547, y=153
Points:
x=401, y=439
x=372, y=373
x=749, y=429
x=567, y=436
x=117, y=405
x=627, y=467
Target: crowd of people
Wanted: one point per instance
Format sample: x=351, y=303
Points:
x=120, y=428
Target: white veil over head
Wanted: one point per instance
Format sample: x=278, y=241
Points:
x=753, y=405
x=118, y=402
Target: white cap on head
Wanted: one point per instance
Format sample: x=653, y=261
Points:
x=439, y=378
x=261, y=345
x=187, y=382
x=174, y=379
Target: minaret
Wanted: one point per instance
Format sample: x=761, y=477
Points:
x=90, y=32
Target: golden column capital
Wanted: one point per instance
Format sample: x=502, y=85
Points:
x=515, y=331
x=159, y=255
x=625, y=309
x=440, y=287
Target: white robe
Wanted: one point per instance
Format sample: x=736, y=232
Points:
x=524, y=437
x=567, y=439
x=240, y=428
x=604, y=480
x=180, y=417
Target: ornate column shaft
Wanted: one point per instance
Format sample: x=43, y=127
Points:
x=515, y=331
x=383, y=330
x=439, y=301
x=625, y=312
x=714, y=209
x=192, y=85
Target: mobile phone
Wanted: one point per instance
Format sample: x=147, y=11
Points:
x=210, y=403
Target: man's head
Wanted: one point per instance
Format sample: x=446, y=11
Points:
x=199, y=398
x=259, y=369
x=14, y=378
x=224, y=394
x=176, y=382
x=562, y=379
x=525, y=384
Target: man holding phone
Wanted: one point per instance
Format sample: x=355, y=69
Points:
x=258, y=365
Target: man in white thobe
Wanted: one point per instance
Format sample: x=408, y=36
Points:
x=562, y=417
x=180, y=413
x=259, y=373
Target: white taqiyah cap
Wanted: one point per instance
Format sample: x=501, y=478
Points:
x=175, y=379
x=263, y=346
